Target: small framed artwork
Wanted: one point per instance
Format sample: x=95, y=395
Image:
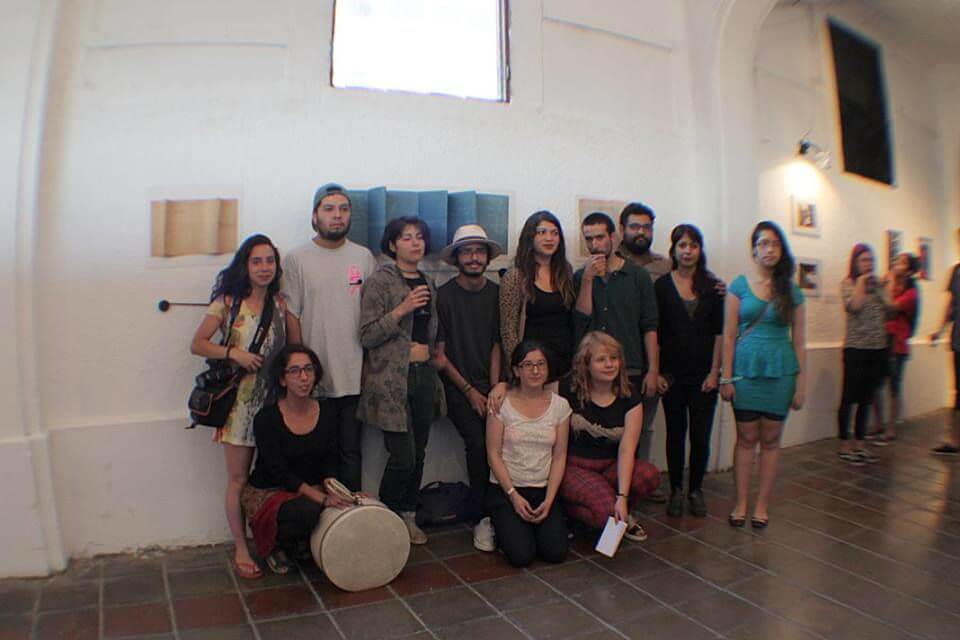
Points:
x=925, y=255
x=806, y=217
x=810, y=277
x=894, y=246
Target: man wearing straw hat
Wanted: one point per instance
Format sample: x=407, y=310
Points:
x=469, y=351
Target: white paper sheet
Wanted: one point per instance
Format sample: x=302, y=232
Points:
x=610, y=539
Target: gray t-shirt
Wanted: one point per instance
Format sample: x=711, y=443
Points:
x=323, y=291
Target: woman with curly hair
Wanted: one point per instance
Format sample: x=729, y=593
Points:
x=603, y=477
x=764, y=364
x=245, y=292
x=536, y=295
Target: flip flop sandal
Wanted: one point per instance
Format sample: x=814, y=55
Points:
x=279, y=563
x=759, y=523
x=247, y=570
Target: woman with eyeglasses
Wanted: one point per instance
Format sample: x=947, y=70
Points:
x=866, y=302
x=296, y=451
x=536, y=295
x=401, y=392
x=527, y=452
x=764, y=364
x=246, y=290
x=603, y=476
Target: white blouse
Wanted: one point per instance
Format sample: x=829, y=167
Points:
x=528, y=442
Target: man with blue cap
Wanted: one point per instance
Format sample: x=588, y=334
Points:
x=322, y=280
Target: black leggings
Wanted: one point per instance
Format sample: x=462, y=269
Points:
x=863, y=371
x=521, y=541
x=296, y=521
x=679, y=401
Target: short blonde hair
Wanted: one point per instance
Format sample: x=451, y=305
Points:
x=580, y=376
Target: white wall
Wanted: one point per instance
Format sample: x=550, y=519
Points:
x=795, y=92
x=617, y=98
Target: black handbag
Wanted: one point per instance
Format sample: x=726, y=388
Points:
x=215, y=390
x=443, y=503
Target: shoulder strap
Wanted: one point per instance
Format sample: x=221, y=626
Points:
x=234, y=312
x=755, y=321
x=266, y=317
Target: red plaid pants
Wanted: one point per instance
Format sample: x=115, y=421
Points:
x=589, y=487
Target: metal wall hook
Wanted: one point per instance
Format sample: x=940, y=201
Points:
x=164, y=305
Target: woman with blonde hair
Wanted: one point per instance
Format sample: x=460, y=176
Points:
x=603, y=477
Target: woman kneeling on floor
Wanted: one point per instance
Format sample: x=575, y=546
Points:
x=296, y=451
x=603, y=476
x=527, y=451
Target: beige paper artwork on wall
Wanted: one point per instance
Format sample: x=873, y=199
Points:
x=193, y=227
x=586, y=206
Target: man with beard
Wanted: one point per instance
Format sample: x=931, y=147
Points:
x=616, y=295
x=468, y=307
x=322, y=280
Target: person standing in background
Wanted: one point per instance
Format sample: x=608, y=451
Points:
x=322, y=281
x=951, y=315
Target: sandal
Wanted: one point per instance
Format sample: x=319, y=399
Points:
x=635, y=532
x=279, y=563
x=759, y=523
x=851, y=458
x=247, y=570
x=737, y=521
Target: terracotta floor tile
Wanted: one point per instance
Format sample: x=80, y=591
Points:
x=81, y=624
x=515, y=592
x=336, y=598
x=238, y=632
x=481, y=566
x=209, y=611
x=18, y=599
x=431, y=576
x=452, y=606
x=15, y=627
x=493, y=628
x=200, y=582
x=58, y=596
x=452, y=543
x=574, y=577
x=133, y=589
x=136, y=620
x=282, y=601
x=618, y=603
x=313, y=627
x=555, y=620
x=124, y=565
x=664, y=624
x=373, y=621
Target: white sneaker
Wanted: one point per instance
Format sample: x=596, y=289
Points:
x=417, y=536
x=483, y=536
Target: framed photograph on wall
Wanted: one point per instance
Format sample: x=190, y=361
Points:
x=587, y=205
x=925, y=255
x=894, y=246
x=810, y=277
x=805, y=217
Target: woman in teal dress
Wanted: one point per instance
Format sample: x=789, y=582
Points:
x=764, y=362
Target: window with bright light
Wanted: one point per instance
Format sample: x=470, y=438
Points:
x=450, y=47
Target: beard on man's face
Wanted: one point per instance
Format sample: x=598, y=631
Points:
x=328, y=234
x=638, y=244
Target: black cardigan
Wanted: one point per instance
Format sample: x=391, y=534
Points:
x=686, y=344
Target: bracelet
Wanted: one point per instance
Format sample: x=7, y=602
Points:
x=512, y=491
x=621, y=495
x=730, y=380
x=226, y=356
x=467, y=388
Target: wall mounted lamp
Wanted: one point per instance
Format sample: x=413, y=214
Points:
x=814, y=153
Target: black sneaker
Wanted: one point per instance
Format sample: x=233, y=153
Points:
x=866, y=456
x=698, y=505
x=945, y=450
x=675, y=506
x=657, y=496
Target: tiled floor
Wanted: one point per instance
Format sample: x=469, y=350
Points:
x=850, y=553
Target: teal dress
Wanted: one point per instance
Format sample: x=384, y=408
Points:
x=765, y=360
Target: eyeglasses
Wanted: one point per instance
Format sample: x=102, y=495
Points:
x=530, y=366
x=298, y=371
x=640, y=226
x=548, y=231
x=763, y=244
